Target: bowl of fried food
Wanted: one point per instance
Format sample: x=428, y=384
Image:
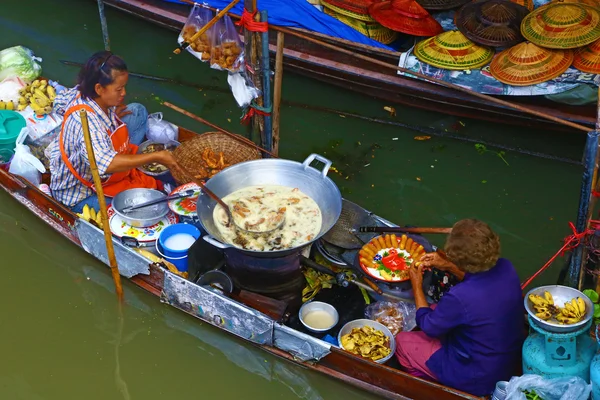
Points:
x=155, y=169
x=367, y=339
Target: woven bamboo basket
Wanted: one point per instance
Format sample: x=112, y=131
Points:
x=189, y=153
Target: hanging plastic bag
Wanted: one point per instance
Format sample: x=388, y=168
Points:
x=242, y=88
x=19, y=61
x=200, y=47
x=565, y=388
x=24, y=163
x=396, y=316
x=160, y=131
x=227, y=52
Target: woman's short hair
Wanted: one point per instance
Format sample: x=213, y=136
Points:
x=98, y=69
x=473, y=246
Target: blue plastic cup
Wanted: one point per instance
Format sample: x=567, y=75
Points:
x=177, y=257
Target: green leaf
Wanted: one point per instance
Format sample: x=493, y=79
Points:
x=596, y=310
x=592, y=295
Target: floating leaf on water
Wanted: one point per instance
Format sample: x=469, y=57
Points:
x=391, y=110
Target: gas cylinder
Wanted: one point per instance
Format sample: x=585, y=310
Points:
x=554, y=355
x=595, y=372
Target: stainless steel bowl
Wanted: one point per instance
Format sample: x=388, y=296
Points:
x=271, y=171
x=318, y=306
x=561, y=295
x=170, y=145
x=142, y=217
x=359, y=323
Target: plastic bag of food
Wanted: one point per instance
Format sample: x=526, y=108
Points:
x=160, y=131
x=38, y=146
x=19, y=61
x=24, y=163
x=227, y=52
x=396, y=316
x=242, y=88
x=564, y=388
x=40, y=125
x=200, y=47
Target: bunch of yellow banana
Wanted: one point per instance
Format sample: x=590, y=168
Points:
x=544, y=305
x=90, y=215
x=572, y=312
x=38, y=95
x=7, y=105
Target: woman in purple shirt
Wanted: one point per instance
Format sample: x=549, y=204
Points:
x=473, y=338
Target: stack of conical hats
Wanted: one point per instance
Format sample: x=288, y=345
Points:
x=405, y=16
x=452, y=50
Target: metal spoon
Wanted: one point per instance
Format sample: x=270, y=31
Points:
x=187, y=193
x=216, y=198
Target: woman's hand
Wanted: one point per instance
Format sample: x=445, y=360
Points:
x=416, y=275
x=430, y=260
x=165, y=157
x=122, y=111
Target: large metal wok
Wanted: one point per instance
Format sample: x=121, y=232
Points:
x=309, y=180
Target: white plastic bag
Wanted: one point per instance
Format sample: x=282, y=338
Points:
x=160, y=131
x=392, y=314
x=9, y=89
x=243, y=91
x=40, y=125
x=24, y=163
x=566, y=388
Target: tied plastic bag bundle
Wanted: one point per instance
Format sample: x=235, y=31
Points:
x=227, y=51
x=200, y=47
x=242, y=88
x=19, y=61
x=24, y=163
x=564, y=388
x=396, y=316
x=160, y=131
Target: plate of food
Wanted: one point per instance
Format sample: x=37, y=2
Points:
x=367, y=339
x=155, y=169
x=145, y=235
x=388, y=257
x=187, y=205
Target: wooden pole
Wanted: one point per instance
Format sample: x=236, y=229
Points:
x=206, y=27
x=266, y=81
x=114, y=268
x=277, y=92
x=104, y=25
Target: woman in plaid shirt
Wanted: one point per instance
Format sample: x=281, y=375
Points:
x=116, y=131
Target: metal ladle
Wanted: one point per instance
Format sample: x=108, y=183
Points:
x=216, y=198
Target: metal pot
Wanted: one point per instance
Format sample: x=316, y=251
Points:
x=142, y=217
x=311, y=181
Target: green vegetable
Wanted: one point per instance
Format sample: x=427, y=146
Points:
x=531, y=395
x=592, y=295
x=19, y=61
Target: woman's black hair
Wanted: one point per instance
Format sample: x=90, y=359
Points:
x=98, y=69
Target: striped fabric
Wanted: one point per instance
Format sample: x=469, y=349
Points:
x=65, y=187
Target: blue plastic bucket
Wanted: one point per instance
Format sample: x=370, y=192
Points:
x=176, y=256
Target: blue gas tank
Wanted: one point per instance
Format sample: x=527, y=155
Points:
x=554, y=355
x=595, y=373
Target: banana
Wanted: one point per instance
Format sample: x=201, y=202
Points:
x=10, y=105
x=99, y=219
x=41, y=95
x=27, y=96
x=581, y=305
x=575, y=306
x=538, y=300
x=2, y=105
x=36, y=83
x=51, y=92
x=566, y=320
x=22, y=100
x=40, y=101
x=92, y=214
x=570, y=312
x=548, y=297
x=23, y=90
x=544, y=315
x=36, y=108
x=21, y=107
x=86, y=212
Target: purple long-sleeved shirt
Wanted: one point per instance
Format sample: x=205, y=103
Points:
x=480, y=324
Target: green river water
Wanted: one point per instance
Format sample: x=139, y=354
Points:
x=60, y=335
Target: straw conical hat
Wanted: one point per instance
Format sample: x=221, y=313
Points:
x=528, y=4
x=562, y=25
x=357, y=9
x=527, y=64
x=452, y=50
x=492, y=22
x=593, y=3
x=436, y=5
x=587, y=59
x=373, y=30
x=405, y=16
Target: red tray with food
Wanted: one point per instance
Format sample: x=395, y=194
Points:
x=388, y=257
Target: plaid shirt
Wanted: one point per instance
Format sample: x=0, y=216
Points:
x=65, y=187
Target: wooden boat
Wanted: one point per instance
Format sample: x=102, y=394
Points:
x=382, y=380
x=349, y=72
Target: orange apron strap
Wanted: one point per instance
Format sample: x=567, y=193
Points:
x=61, y=142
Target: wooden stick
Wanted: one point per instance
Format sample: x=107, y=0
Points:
x=277, y=91
x=384, y=229
x=104, y=25
x=114, y=268
x=210, y=124
x=206, y=27
x=438, y=81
